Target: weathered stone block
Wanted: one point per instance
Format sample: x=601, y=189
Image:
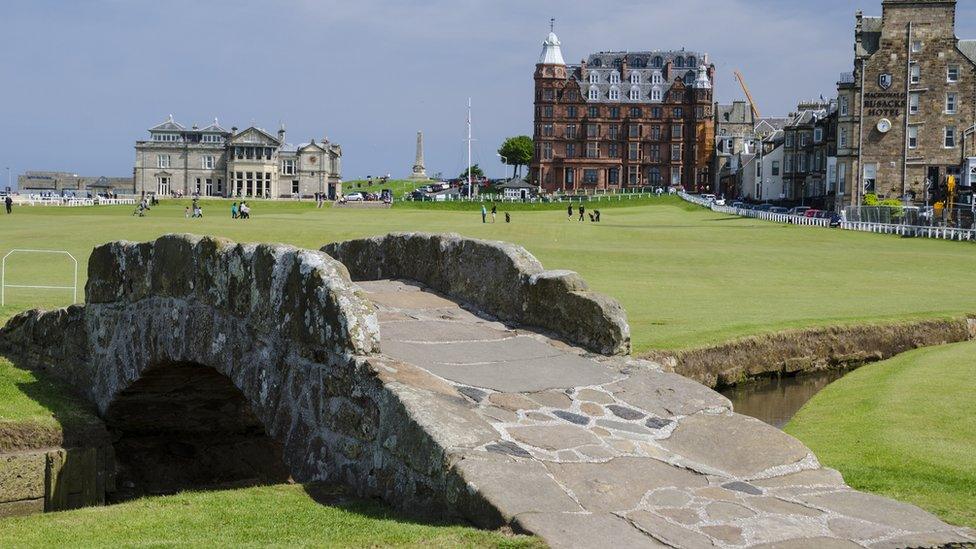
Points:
x=22, y=476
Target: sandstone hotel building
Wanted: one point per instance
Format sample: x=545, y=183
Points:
x=622, y=120
x=906, y=113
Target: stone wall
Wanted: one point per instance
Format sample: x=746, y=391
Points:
x=503, y=280
x=810, y=350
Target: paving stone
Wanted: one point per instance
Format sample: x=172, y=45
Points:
x=668, y=498
x=439, y=331
x=668, y=532
x=623, y=446
x=408, y=374
x=781, y=507
x=515, y=487
x=590, y=409
x=600, y=431
x=667, y=395
x=566, y=530
x=810, y=477
x=744, y=487
x=512, y=402
x=625, y=413
x=508, y=447
x=620, y=484
x=595, y=452
x=498, y=414
x=552, y=399
x=931, y=539
x=553, y=437
x=476, y=395
x=774, y=528
x=650, y=450
x=571, y=417
x=516, y=376
x=718, y=494
x=567, y=455
x=468, y=352
x=622, y=426
x=410, y=300
x=848, y=528
x=728, y=443
x=538, y=416
x=681, y=516
x=722, y=511
x=725, y=533
x=876, y=509
x=592, y=395
x=818, y=542
x=657, y=423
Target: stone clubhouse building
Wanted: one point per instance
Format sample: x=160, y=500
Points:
x=622, y=120
x=212, y=161
x=906, y=113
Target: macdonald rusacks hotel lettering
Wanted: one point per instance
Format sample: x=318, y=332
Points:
x=884, y=103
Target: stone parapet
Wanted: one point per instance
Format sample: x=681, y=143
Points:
x=500, y=279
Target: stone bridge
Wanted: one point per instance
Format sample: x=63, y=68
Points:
x=500, y=393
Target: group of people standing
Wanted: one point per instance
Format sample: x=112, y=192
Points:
x=494, y=213
x=594, y=215
x=242, y=211
x=197, y=211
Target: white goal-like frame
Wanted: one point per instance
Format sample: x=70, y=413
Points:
x=3, y=275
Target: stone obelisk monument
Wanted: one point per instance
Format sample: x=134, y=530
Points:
x=419, y=171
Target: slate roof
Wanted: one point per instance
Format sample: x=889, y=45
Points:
x=968, y=48
x=214, y=128
x=169, y=125
x=648, y=64
x=870, y=35
x=736, y=113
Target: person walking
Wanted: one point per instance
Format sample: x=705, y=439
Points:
x=484, y=214
x=8, y=203
x=494, y=211
x=186, y=212
x=582, y=211
x=569, y=212
x=233, y=210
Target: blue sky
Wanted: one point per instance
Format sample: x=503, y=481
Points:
x=81, y=80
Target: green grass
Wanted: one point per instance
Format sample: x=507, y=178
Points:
x=904, y=428
x=687, y=276
x=282, y=516
x=400, y=187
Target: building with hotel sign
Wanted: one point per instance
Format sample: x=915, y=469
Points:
x=905, y=114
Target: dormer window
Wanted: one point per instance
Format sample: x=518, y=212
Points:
x=657, y=78
x=634, y=93
x=679, y=62
x=635, y=78
x=614, y=77
x=594, y=93
x=691, y=62
x=656, y=94
x=615, y=94
x=594, y=78
x=658, y=62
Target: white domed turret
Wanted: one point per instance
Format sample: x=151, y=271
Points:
x=551, y=52
x=702, y=82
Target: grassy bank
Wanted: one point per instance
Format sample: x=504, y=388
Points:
x=281, y=516
x=904, y=428
x=688, y=277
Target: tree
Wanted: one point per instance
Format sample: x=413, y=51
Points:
x=476, y=173
x=517, y=152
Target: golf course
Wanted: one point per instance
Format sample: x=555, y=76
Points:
x=687, y=277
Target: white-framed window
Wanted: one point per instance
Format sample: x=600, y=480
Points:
x=594, y=78
x=789, y=139
x=634, y=93
x=676, y=152
x=615, y=94
x=162, y=184
x=209, y=162
x=162, y=160
x=916, y=73
x=913, y=100
x=676, y=176
x=594, y=93
x=916, y=46
x=952, y=73
x=912, y=137
x=657, y=78
x=288, y=166
x=788, y=164
x=845, y=105
x=166, y=137
x=817, y=135
x=635, y=78
x=870, y=177
x=951, y=103
x=949, y=137
x=842, y=138
x=656, y=94
x=614, y=77
x=775, y=168
x=841, y=177
x=804, y=139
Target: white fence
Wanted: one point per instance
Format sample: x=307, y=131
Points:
x=36, y=200
x=943, y=233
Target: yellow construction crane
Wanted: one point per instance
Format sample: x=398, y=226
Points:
x=752, y=104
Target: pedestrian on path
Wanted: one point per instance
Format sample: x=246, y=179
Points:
x=484, y=214
x=494, y=211
x=9, y=203
x=186, y=212
x=569, y=212
x=582, y=211
x=508, y=218
x=233, y=210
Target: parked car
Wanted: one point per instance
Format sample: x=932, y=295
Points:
x=811, y=213
x=708, y=197
x=799, y=210
x=355, y=197
x=764, y=207
x=737, y=204
x=719, y=201
x=778, y=210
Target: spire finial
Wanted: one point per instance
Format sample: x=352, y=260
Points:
x=552, y=24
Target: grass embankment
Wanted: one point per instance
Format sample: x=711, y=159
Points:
x=281, y=516
x=904, y=428
x=400, y=187
x=687, y=277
